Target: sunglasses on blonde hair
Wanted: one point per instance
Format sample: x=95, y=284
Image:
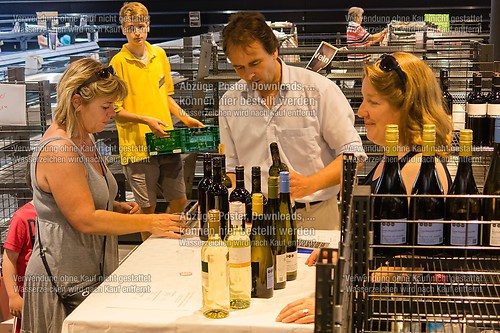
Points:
x=101, y=74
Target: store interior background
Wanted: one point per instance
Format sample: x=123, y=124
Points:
x=315, y=20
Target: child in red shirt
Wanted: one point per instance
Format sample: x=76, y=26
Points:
x=18, y=247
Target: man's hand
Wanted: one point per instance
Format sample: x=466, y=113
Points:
x=156, y=126
x=192, y=122
x=300, y=186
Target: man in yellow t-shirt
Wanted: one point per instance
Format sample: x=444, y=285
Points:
x=146, y=70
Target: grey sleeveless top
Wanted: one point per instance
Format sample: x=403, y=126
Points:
x=71, y=255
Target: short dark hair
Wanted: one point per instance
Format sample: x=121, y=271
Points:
x=245, y=28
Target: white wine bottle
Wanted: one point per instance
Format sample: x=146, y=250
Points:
x=262, y=254
x=240, y=271
x=215, y=271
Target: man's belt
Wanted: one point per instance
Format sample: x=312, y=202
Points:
x=301, y=205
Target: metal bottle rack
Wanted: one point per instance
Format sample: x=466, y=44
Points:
x=457, y=290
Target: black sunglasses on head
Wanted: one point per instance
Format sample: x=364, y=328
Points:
x=389, y=63
x=101, y=74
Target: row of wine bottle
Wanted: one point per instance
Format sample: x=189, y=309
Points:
x=242, y=267
x=214, y=187
x=481, y=109
x=428, y=207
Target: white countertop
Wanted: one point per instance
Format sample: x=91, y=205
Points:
x=159, y=299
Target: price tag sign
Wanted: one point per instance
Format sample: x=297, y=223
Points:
x=194, y=19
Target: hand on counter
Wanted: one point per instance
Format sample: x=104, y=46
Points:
x=313, y=257
x=299, y=312
x=165, y=225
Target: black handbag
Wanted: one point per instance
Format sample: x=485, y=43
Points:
x=77, y=294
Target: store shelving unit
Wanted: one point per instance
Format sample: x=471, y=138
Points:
x=456, y=290
x=16, y=146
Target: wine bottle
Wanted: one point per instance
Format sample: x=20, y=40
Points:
x=466, y=211
x=493, y=111
x=240, y=193
x=215, y=271
x=240, y=271
x=256, y=188
x=491, y=206
x=426, y=208
x=203, y=186
x=288, y=216
x=217, y=197
x=225, y=178
x=262, y=254
x=476, y=113
x=447, y=98
x=278, y=234
x=394, y=207
x=277, y=166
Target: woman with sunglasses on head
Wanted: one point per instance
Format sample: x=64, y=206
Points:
x=73, y=193
x=397, y=89
x=401, y=89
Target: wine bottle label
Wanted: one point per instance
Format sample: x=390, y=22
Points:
x=493, y=110
x=280, y=268
x=459, y=232
x=495, y=233
x=291, y=261
x=270, y=277
x=239, y=257
x=430, y=233
x=204, y=274
x=476, y=110
x=392, y=233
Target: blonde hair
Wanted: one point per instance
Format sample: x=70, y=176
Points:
x=112, y=87
x=133, y=12
x=419, y=101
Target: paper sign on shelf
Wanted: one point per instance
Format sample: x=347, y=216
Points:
x=13, y=104
x=322, y=57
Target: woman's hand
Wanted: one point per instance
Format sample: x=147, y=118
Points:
x=299, y=312
x=129, y=207
x=165, y=225
x=313, y=257
x=311, y=260
x=16, y=305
